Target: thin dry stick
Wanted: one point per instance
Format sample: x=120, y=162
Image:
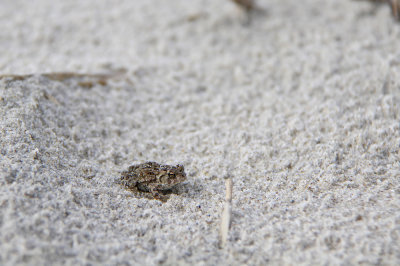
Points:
x=394, y=5
x=62, y=76
x=226, y=213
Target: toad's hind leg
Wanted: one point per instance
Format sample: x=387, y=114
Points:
x=158, y=195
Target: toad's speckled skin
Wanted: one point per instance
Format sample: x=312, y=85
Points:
x=153, y=177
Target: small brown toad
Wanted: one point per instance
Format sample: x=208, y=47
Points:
x=153, y=177
x=245, y=4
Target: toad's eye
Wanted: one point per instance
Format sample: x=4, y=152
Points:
x=171, y=176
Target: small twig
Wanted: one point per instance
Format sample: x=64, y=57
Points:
x=226, y=213
x=62, y=76
x=394, y=5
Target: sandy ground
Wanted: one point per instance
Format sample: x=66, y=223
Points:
x=299, y=105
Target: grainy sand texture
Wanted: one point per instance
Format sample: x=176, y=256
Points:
x=299, y=104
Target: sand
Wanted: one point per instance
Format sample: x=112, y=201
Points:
x=299, y=105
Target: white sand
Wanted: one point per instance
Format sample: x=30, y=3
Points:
x=301, y=108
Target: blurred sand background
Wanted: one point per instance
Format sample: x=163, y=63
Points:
x=300, y=106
